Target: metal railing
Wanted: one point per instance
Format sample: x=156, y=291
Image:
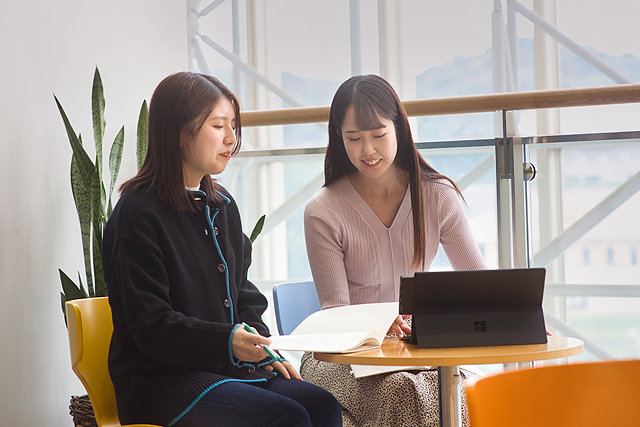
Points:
x=511, y=101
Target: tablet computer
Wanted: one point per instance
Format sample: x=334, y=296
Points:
x=475, y=307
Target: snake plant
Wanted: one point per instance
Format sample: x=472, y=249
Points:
x=93, y=203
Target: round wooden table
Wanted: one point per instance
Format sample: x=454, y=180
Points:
x=395, y=352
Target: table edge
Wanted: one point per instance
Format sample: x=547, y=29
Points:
x=372, y=357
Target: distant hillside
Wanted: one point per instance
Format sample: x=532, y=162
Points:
x=473, y=76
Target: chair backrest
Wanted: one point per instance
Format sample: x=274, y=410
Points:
x=581, y=394
x=90, y=327
x=293, y=302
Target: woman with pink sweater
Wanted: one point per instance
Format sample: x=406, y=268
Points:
x=382, y=214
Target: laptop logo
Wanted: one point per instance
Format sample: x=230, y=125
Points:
x=480, y=325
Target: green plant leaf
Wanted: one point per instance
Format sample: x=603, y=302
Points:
x=97, y=112
x=81, y=285
x=115, y=158
x=85, y=165
x=63, y=300
x=257, y=229
x=89, y=192
x=97, y=218
x=100, y=285
x=82, y=199
x=143, y=134
x=70, y=291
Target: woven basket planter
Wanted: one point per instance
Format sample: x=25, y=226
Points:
x=82, y=412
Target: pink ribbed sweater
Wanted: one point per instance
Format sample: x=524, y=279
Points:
x=356, y=259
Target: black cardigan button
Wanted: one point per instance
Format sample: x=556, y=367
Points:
x=215, y=230
x=227, y=303
x=221, y=268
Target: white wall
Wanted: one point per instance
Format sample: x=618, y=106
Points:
x=48, y=47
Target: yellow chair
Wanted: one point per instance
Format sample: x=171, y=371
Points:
x=581, y=394
x=90, y=327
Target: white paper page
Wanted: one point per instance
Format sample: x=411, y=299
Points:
x=343, y=342
x=376, y=317
x=340, y=329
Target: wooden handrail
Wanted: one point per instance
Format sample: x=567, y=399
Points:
x=557, y=98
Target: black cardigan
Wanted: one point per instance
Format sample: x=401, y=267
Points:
x=178, y=288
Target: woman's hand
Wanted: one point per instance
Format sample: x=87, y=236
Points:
x=247, y=346
x=400, y=327
x=285, y=368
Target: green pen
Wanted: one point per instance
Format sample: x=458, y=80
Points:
x=265, y=347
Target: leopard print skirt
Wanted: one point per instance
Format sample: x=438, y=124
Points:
x=398, y=399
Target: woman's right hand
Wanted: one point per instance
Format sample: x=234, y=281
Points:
x=244, y=345
x=400, y=327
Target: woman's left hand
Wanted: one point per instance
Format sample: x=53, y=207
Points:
x=285, y=368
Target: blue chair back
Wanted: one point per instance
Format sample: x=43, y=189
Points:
x=294, y=302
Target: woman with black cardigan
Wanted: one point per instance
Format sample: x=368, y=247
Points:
x=188, y=345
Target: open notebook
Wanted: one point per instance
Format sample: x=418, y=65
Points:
x=343, y=329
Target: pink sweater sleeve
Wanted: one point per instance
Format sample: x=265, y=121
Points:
x=456, y=236
x=326, y=258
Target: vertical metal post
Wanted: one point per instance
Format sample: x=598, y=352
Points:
x=235, y=18
x=383, y=39
x=503, y=146
x=548, y=123
x=449, y=391
x=193, y=28
x=497, y=47
x=511, y=198
x=519, y=206
x=356, y=37
x=251, y=102
x=399, y=60
x=512, y=38
x=503, y=196
x=545, y=51
x=504, y=175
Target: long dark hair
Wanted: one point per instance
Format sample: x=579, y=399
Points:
x=180, y=104
x=371, y=97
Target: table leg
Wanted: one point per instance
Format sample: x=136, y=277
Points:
x=516, y=366
x=449, y=382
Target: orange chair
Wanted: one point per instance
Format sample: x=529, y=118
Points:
x=90, y=327
x=581, y=394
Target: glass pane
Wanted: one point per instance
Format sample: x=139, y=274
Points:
x=587, y=193
x=479, y=195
